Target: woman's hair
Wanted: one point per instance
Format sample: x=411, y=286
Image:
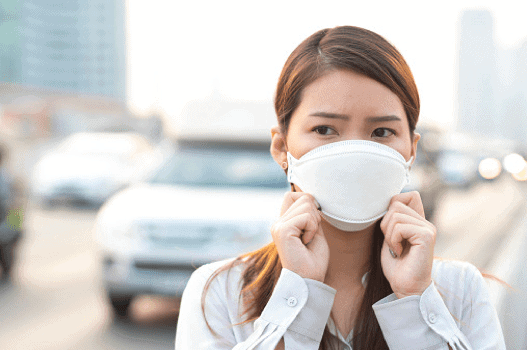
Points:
x=340, y=48
x=348, y=48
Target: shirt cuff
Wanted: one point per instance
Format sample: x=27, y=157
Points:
x=423, y=321
x=313, y=317
x=301, y=305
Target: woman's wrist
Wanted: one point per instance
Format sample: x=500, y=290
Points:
x=407, y=293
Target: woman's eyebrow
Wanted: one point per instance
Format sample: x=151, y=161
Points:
x=384, y=118
x=329, y=115
x=379, y=119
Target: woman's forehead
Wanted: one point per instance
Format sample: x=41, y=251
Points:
x=349, y=94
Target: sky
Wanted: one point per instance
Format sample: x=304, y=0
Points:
x=181, y=51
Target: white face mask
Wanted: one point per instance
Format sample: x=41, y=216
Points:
x=353, y=181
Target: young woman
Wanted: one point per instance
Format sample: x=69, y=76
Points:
x=351, y=264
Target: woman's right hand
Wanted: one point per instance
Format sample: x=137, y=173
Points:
x=299, y=238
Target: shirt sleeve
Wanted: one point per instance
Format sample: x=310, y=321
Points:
x=297, y=311
x=425, y=322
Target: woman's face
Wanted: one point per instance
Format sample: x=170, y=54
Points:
x=344, y=105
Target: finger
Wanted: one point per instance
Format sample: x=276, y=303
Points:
x=411, y=199
x=306, y=207
x=289, y=199
x=292, y=197
x=414, y=235
x=304, y=227
x=305, y=201
x=318, y=236
x=400, y=207
x=399, y=218
x=294, y=227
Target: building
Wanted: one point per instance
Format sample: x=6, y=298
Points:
x=477, y=75
x=514, y=105
x=76, y=46
x=492, y=86
x=10, y=46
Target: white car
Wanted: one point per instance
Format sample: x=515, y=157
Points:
x=90, y=167
x=206, y=203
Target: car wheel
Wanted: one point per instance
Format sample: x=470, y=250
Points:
x=121, y=304
x=7, y=257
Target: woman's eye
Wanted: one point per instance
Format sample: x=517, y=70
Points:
x=324, y=130
x=382, y=132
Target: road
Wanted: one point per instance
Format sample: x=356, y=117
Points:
x=56, y=300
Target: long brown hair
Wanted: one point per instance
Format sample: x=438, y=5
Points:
x=367, y=53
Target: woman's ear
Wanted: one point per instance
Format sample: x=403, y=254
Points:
x=415, y=139
x=278, y=147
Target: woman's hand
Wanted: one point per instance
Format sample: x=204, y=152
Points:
x=412, y=239
x=299, y=238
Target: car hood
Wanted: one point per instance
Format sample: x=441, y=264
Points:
x=145, y=202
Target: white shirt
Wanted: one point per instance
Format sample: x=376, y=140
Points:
x=462, y=316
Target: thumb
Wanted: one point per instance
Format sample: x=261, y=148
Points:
x=318, y=237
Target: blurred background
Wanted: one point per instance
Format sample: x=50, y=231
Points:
x=134, y=148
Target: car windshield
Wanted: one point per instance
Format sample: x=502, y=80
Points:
x=221, y=168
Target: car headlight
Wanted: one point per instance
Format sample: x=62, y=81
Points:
x=489, y=168
x=514, y=163
x=521, y=175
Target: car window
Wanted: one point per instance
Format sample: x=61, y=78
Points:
x=221, y=169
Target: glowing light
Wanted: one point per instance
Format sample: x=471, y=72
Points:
x=514, y=163
x=489, y=168
x=521, y=175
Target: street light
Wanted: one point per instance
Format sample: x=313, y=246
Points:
x=489, y=168
x=514, y=163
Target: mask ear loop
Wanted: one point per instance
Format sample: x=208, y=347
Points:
x=285, y=167
x=288, y=171
x=408, y=168
x=409, y=162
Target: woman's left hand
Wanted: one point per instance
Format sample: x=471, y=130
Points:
x=412, y=239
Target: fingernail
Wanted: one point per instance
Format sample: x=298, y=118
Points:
x=393, y=254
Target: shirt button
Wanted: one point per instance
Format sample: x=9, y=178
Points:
x=291, y=301
x=432, y=318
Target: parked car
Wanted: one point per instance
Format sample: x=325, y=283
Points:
x=10, y=236
x=90, y=167
x=11, y=215
x=208, y=202
x=425, y=177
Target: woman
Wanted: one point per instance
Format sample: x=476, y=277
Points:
x=351, y=264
